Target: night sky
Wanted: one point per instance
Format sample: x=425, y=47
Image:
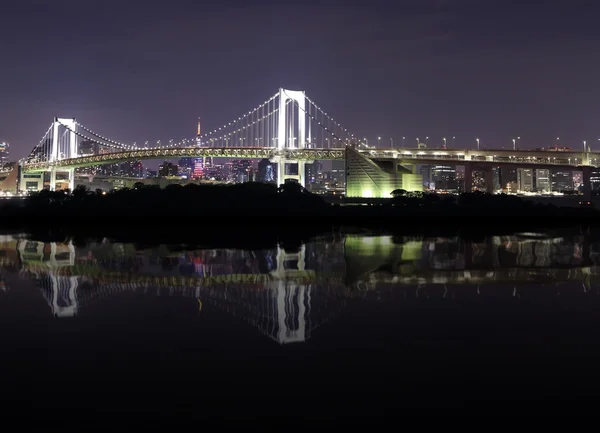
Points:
x=146, y=70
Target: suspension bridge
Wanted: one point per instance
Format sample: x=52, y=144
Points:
x=290, y=130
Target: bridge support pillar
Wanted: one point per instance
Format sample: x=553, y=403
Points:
x=71, y=179
x=587, y=182
x=468, y=178
x=52, y=179
x=282, y=170
x=302, y=173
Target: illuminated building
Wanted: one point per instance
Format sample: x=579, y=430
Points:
x=496, y=178
x=426, y=174
x=198, y=170
x=525, y=179
x=562, y=180
x=167, y=169
x=266, y=171
x=241, y=170
x=198, y=143
x=542, y=180
x=4, y=154
x=577, y=179
x=312, y=172
x=370, y=178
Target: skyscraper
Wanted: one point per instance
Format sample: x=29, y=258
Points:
x=562, y=180
x=542, y=180
x=266, y=171
x=525, y=179
x=4, y=154
x=198, y=171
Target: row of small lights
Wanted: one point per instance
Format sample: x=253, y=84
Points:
x=320, y=124
x=113, y=143
x=330, y=118
x=244, y=127
x=135, y=147
x=240, y=118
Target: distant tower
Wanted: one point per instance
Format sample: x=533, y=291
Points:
x=199, y=143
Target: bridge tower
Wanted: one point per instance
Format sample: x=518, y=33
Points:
x=64, y=146
x=291, y=133
x=59, y=142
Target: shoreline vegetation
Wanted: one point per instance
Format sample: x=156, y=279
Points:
x=256, y=212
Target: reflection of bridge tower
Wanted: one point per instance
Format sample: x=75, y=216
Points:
x=64, y=299
x=293, y=308
x=293, y=299
x=297, y=258
x=60, y=293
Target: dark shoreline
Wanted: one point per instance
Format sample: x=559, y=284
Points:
x=256, y=215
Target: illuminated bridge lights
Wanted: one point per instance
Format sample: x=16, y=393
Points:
x=197, y=152
x=294, y=154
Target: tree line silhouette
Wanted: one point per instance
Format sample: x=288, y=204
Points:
x=243, y=202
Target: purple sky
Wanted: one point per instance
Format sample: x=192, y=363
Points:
x=145, y=70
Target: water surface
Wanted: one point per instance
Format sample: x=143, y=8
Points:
x=344, y=326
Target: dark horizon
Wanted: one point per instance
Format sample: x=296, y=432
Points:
x=140, y=72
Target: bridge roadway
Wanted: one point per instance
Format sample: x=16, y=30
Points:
x=545, y=159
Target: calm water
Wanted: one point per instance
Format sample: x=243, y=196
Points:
x=108, y=334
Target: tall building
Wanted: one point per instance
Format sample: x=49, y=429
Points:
x=426, y=173
x=595, y=179
x=198, y=143
x=266, y=171
x=562, y=180
x=313, y=172
x=198, y=170
x=4, y=154
x=496, y=179
x=444, y=177
x=240, y=170
x=186, y=162
x=167, y=169
x=508, y=177
x=542, y=180
x=525, y=180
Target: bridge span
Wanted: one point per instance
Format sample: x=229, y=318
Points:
x=288, y=129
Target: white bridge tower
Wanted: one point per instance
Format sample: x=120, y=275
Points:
x=60, y=142
x=291, y=133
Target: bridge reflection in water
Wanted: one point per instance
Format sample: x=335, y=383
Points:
x=287, y=295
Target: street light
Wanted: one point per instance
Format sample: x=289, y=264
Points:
x=514, y=144
x=426, y=140
x=444, y=141
x=378, y=142
x=404, y=138
x=453, y=138
x=477, y=139
x=391, y=143
x=584, y=147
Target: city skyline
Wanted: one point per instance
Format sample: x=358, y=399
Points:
x=406, y=69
